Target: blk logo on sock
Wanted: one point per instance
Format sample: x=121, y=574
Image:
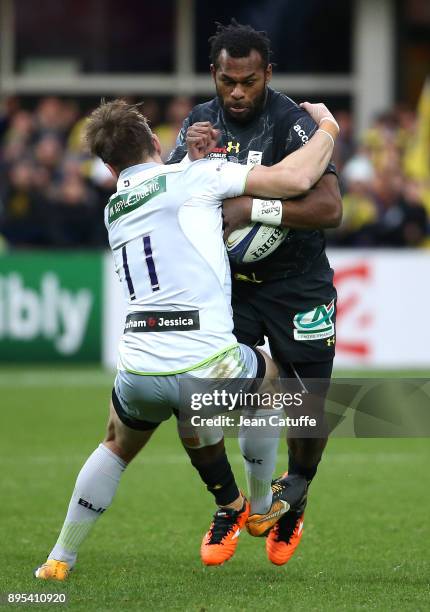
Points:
x=86, y=504
x=253, y=460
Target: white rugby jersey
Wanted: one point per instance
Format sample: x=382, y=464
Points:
x=165, y=230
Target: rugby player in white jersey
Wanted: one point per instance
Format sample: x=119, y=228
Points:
x=165, y=231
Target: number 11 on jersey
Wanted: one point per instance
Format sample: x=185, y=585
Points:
x=153, y=278
x=150, y=263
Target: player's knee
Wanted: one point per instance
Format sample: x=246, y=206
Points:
x=202, y=455
x=271, y=367
x=113, y=439
x=122, y=440
x=208, y=440
x=110, y=432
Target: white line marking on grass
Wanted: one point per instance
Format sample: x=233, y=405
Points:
x=53, y=379
x=176, y=458
x=171, y=458
x=366, y=456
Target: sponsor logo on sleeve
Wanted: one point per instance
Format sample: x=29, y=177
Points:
x=301, y=133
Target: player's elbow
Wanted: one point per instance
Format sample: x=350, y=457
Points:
x=336, y=214
x=333, y=214
x=301, y=182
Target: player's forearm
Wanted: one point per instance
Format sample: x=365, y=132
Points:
x=320, y=208
x=310, y=212
x=310, y=216
x=299, y=171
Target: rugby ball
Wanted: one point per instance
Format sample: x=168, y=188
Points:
x=254, y=242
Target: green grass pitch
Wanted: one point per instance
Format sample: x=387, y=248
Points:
x=367, y=529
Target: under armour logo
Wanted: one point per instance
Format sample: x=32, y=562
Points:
x=233, y=146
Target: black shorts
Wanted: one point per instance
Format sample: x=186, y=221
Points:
x=297, y=314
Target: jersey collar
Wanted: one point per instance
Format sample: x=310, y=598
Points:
x=134, y=175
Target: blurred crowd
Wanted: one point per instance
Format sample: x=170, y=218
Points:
x=386, y=195
x=52, y=193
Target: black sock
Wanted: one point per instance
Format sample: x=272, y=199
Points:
x=295, y=468
x=219, y=479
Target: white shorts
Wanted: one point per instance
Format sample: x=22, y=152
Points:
x=143, y=402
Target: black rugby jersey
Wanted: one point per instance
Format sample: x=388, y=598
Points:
x=279, y=129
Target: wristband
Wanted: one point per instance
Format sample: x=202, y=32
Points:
x=330, y=126
x=329, y=119
x=268, y=212
x=327, y=133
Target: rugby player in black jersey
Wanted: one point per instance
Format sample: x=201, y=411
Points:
x=288, y=296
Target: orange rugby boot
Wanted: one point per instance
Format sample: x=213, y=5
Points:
x=284, y=538
x=287, y=492
x=219, y=543
x=52, y=570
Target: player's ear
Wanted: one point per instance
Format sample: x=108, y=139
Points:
x=213, y=71
x=156, y=143
x=269, y=72
x=112, y=171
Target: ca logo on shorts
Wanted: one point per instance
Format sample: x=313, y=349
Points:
x=315, y=324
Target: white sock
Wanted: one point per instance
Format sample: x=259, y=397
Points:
x=94, y=490
x=259, y=446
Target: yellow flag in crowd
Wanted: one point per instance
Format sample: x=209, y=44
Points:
x=417, y=156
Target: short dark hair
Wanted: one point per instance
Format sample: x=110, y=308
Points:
x=119, y=134
x=239, y=40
